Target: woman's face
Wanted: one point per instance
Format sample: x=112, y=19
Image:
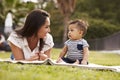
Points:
x=44, y=29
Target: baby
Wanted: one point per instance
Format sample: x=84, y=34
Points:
x=76, y=48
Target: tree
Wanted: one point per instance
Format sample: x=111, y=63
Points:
x=5, y=7
x=66, y=7
x=18, y=9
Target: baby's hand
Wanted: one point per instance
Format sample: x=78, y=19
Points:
x=59, y=60
x=84, y=62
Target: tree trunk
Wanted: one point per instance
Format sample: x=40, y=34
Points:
x=66, y=7
x=66, y=19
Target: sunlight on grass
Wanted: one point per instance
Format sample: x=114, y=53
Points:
x=94, y=57
x=10, y=71
x=104, y=59
x=5, y=54
x=43, y=72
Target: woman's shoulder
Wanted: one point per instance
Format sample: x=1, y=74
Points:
x=14, y=34
x=48, y=42
x=16, y=39
x=48, y=37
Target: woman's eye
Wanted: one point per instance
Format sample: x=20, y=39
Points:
x=47, y=27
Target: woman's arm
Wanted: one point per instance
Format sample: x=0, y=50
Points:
x=18, y=53
x=45, y=55
x=48, y=52
x=85, y=55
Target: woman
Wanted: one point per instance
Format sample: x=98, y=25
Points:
x=32, y=41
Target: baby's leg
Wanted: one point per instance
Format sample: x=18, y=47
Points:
x=76, y=62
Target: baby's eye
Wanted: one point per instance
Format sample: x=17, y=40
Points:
x=70, y=30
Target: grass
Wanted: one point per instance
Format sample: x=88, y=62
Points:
x=45, y=72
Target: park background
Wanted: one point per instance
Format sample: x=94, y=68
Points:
x=103, y=34
x=102, y=15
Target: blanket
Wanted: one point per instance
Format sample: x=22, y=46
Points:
x=53, y=62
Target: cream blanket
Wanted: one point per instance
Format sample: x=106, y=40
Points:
x=53, y=62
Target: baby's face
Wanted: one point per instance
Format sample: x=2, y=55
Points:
x=74, y=33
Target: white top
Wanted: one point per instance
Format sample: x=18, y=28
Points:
x=2, y=39
x=23, y=44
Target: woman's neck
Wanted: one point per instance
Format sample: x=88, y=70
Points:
x=32, y=39
x=32, y=42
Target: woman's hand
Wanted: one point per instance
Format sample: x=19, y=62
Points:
x=35, y=57
x=43, y=56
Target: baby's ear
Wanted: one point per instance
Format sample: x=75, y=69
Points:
x=81, y=32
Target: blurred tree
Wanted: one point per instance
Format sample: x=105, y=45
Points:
x=102, y=15
x=18, y=9
x=101, y=24
x=5, y=7
x=67, y=8
x=42, y=4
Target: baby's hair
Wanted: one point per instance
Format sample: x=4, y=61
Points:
x=81, y=24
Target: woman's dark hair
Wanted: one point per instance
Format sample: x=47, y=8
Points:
x=34, y=21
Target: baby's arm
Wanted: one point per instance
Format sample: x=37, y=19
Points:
x=62, y=54
x=85, y=55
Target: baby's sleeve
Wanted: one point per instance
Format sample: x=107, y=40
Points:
x=85, y=43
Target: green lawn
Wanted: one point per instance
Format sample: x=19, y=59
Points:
x=10, y=71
